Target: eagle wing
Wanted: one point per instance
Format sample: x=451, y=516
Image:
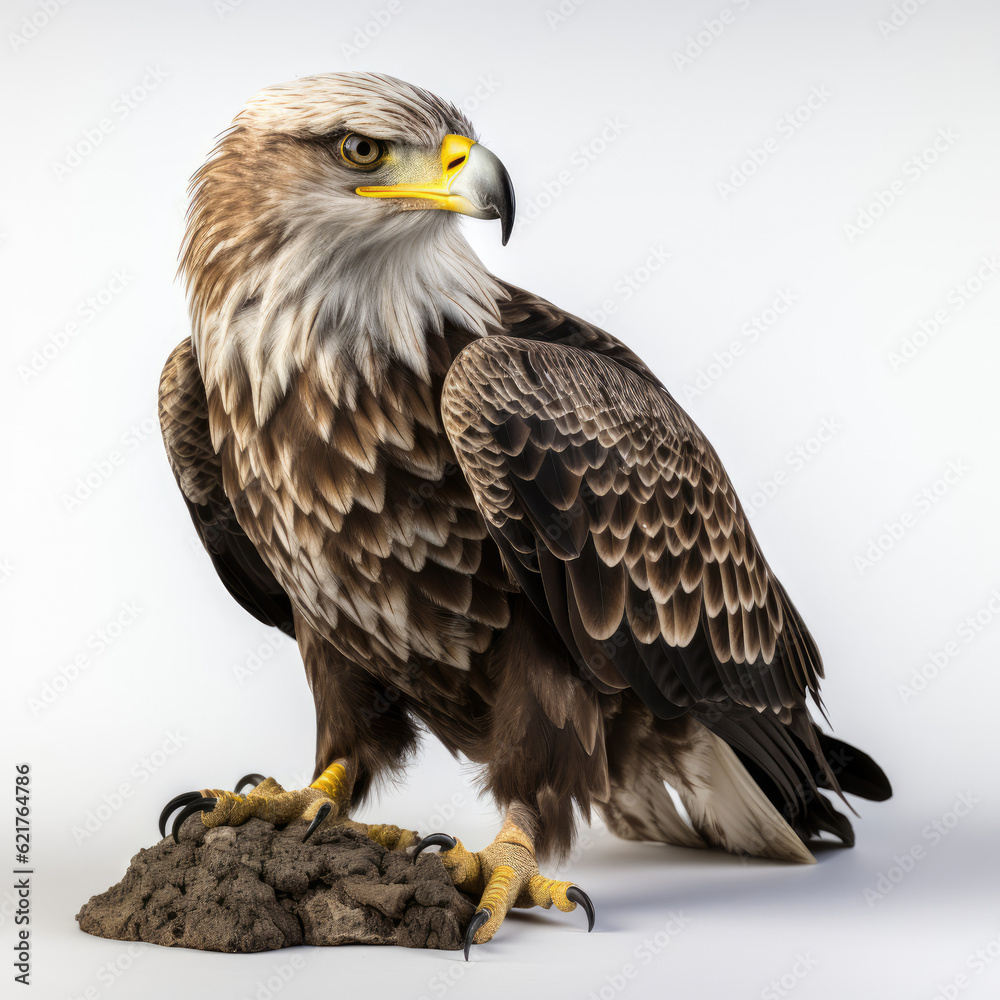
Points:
x=183, y=410
x=617, y=518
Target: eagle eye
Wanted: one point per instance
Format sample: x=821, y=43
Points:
x=359, y=150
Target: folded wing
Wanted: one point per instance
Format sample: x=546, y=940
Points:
x=618, y=519
x=197, y=468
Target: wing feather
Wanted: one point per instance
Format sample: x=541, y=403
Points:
x=587, y=469
x=183, y=411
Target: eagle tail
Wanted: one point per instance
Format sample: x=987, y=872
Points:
x=645, y=810
x=728, y=807
x=793, y=763
x=855, y=771
x=725, y=804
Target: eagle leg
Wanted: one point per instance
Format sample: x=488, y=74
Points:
x=504, y=875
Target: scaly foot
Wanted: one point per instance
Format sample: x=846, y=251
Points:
x=329, y=793
x=503, y=875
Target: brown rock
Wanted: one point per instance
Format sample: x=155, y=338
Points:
x=256, y=887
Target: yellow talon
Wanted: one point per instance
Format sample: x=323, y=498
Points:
x=505, y=875
x=542, y=891
x=501, y=891
x=329, y=795
x=268, y=801
x=392, y=838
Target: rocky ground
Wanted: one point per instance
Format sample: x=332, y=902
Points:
x=256, y=887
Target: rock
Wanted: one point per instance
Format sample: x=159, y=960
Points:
x=256, y=887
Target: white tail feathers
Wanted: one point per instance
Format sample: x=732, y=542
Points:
x=726, y=806
x=645, y=811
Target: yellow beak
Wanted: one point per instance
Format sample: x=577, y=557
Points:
x=470, y=180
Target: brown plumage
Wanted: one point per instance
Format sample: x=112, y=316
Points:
x=476, y=512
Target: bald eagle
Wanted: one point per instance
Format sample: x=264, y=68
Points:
x=476, y=513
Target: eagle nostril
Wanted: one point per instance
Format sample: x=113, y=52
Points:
x=457, y=162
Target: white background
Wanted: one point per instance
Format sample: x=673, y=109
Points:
x=191, y=691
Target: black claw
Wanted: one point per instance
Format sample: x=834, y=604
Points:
x=477, y=921
x=177, y=800
x=248, y=779
x=576, y=895
x=321, y=814
x=434, y=840
x=200, y=805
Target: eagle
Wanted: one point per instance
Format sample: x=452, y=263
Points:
x=478, y=515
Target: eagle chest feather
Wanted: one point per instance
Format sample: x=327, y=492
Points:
x=353, y=496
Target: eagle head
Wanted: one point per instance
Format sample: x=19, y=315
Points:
x=308, y=231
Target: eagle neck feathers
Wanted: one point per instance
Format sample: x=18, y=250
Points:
x=343, y=302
